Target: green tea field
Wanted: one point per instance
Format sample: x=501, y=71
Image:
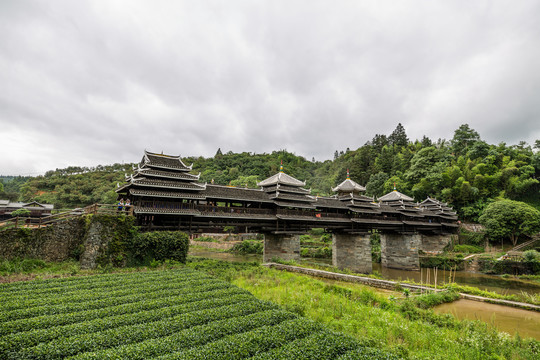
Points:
x=175, y=314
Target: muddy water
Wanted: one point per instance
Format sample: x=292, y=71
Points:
x=504, y=318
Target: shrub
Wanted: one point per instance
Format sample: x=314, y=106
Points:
x=159, y=245
x=531, y=255
x=248, y=247
x=469, y=249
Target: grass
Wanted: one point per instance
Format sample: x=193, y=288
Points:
x=386, y=321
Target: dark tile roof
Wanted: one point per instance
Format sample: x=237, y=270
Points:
x=167, y=194
x=395, y=195
x=164, y=161
x=283, y=179
x=294, y=204
x=293, y=197
x=166, y=184
x=348, y=186
x=149, y=172
x=234, y=193
x=285, y=188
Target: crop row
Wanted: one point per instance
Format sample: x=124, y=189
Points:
x=141, y=302
x=250, y=343
x=80, y=280
x=84, y=296
x=194, y=336
x=111, y=283
x=21, y=314
x=163, y=309
x=320, y=345
x=72, y=345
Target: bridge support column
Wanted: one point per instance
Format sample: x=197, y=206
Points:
x=282, y=246
x=435, y=243
x=352, y=252
x=400, y=251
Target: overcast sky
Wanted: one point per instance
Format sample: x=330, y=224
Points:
x=96, y=82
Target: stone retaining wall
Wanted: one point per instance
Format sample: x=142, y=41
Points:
x=57, y=242
x=224, y=245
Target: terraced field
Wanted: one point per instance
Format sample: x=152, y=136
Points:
x=177, y=314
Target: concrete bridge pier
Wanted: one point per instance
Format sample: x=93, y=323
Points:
x=435, y=243
x=281, y=246
x=400, y=251
x=352, y=252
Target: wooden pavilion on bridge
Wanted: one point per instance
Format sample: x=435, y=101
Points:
x=164, y=194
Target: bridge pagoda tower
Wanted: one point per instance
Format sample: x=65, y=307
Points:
x=290, y=198
x=352, y=250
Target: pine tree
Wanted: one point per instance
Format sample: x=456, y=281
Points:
x=398, y=137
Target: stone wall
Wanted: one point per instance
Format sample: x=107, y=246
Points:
x=57, y=242
x=223, y=245
x=473, y=227
x=281, y=246
x=434, y=244
x=95, y=239
x=352, y=252
x=400, y=251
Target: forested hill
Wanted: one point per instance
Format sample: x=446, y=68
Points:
x=465, y=171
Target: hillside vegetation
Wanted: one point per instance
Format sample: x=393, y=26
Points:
x=465, y=171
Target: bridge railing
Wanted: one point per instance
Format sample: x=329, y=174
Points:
x=233, y=210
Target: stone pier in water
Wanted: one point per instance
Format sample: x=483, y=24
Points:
x=281, y=246
x=352, y=252
x=400, y=251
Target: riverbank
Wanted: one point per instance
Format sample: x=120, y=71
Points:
x=392, y=285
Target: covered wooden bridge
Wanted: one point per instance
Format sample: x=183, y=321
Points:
x=165, y=194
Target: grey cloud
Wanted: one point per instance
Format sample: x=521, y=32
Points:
x=97, y=82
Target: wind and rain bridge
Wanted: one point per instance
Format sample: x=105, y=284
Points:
x=164, y=194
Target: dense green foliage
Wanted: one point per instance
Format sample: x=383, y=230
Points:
x=248, y=247
x=159, y=246
x=468, y=249
x=507, y=219
x=76, y=186
x=466, y=172
x=182, y=314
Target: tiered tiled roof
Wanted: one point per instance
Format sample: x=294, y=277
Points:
x=286, y=191
x=400, y=202
x=168, y=162
x=349, y=195
x=438, y=208
x=162, y=176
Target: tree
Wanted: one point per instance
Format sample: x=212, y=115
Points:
x=398, y=137
x=509, y=219
x=375, y=185
x=20, y=212
x=464, y=138
x=218, y=152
